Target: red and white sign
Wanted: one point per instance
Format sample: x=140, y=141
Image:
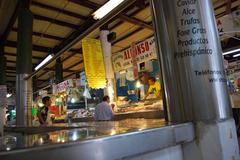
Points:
x=134, y=60
x=145, y=51
x=63, y=86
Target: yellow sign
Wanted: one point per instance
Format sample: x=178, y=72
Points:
x=93, y=63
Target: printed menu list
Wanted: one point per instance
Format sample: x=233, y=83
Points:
x=192, y=38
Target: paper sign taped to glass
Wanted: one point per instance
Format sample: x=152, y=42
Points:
x=93, y=63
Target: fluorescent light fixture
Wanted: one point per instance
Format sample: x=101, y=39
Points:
x=236, y=55
x=106, y=8
x=232, y=51
x=48, y=58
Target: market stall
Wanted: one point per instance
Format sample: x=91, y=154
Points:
x=133, y=68
x=129, y=89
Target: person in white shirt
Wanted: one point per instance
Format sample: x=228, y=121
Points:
x=103, y=111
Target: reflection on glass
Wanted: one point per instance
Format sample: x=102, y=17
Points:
x=7, y=143
x=90, y=130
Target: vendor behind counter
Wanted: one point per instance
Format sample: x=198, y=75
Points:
x=154, y=88
x=126, y=87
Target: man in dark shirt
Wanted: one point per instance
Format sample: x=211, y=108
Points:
x=43, y=111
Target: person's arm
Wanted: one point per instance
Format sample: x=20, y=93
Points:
x=40, y=118
x=148, y=92
x=146, y=96
x=111, y=112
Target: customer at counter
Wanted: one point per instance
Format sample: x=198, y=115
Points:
x=104, y=111
x=43, y=111
x=154, y=88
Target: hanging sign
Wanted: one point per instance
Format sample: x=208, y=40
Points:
x=82, y=79
x=63, y=86
x=3, y=94
x=145, y=51
x=93, y=63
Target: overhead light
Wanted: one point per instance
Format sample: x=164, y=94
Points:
x=138, y=84
x=73, y=100
x=106, y=8
x=236, y=55
x=232, y=51
x=48, y=58
x=8, y=95
x=40, y=104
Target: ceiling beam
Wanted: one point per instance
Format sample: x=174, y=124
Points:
x=80, y=50
x=229, y=7
x=137, y=11
x=87, y=27
x=15, y=55
x=64, y=70
x=11, y=76
x=55, y=21
x=67, y=69
x=75, y=64
x=135, y=21
x=219, y=3
x=73, y=52
x=68, y=57
x=14, y=61
x=10, y=61
x=126, y=36
x=121, y=16
x=35, y=47
x=7, y=71
x=66, y=77
x=11, y=23
x=87, y=4
x=11, y=68
x=72, y=14
x=43, y=35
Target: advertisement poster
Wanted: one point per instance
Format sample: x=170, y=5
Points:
x=144, y=51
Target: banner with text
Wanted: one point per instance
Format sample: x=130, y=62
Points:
x=63, y=86
x=93, y=63
x=144, y=51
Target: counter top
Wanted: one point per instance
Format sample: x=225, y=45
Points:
x=98, y=140
x=146, y=114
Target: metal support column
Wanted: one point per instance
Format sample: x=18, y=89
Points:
x=3, y=65
x=24, y=65
x=3, y=82
x=194, y=76
x=107, y=54
x=34, y=87
x=58, y=71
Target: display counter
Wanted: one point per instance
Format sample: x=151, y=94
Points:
x=149, y=110
x=99, y=140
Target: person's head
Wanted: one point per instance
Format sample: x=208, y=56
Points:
x=144, y=77
x=46, y=101
x=106, y=99
x=151, y=80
